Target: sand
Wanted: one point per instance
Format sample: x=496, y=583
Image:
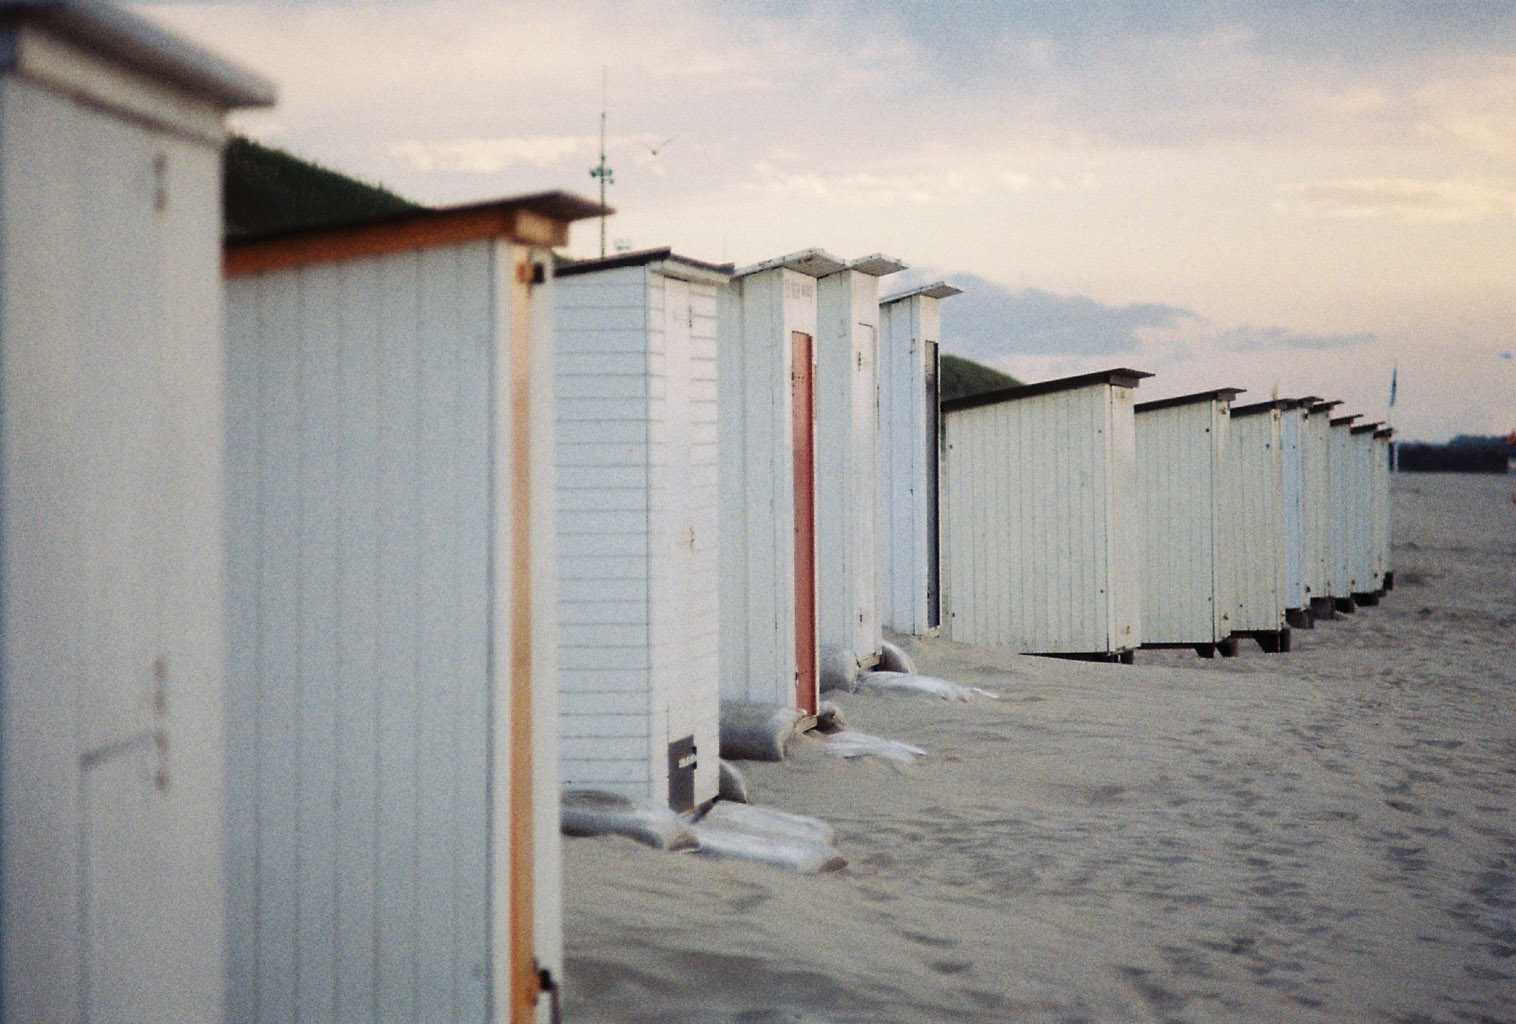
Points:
x=1324, y=835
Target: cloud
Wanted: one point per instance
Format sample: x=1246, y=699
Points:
x=490, y=156
x=1411, y=199
x=990, y=321
x=1251, y=339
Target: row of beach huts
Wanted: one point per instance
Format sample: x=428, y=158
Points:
x=328, y=559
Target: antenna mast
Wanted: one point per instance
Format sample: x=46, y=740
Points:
x=602, y=172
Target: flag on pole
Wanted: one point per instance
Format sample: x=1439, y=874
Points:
x=1394, y=372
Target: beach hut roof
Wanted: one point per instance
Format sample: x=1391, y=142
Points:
x=1120, y=377
x=1215, y=395
x=813, y=262
x=877, y=265
x=1366, y=428
x=1257, y=408
x=1385, y=432
x=935, y=290
x=1338, y=421
x=664, y=260
x=110, y=32
x=1324, y=406
x=541, y=218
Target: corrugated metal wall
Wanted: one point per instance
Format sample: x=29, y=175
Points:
x=1181, y=451
x=1256, y=514
x=1040, y=526
x=636, y=355
x=111, y=664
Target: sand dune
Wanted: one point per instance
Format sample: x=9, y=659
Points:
x=1326, y=835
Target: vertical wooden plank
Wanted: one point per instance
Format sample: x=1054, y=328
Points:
x=244, y=440
x=395, y=755
x=802, y=410
x=357, y=341
x=279, y=712
x=440, y=333
x=319, y=372
x=469, y=740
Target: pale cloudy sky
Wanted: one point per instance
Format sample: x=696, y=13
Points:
x=1295, y=194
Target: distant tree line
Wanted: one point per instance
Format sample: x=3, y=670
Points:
x=1466, y=453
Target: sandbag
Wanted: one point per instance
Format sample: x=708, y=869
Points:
x=756, y=732
x=730, y=785
x=892, y=658
x=839, y=669
x=909, y=682
x=857, y=744
x=593, y=812
x=747, y=832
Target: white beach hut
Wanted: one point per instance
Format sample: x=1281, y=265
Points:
x=909, y=569
x=1042, y=522
x=1182, y=470
x=1292, y=431
x=393, y=713
x=767, y=479
x=848, y=458
x=635, y=353
x=1316, y=505
x=1341, y=512
x=1383, y=439
x=1257, y=531
x=111, y=635
x=1367, y=576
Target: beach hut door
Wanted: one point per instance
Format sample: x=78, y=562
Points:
x=803, y=416
x=933, y=589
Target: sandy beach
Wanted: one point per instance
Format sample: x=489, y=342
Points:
x=1324, y=835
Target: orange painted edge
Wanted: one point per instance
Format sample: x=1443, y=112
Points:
x=525, y=983
x=423, y=230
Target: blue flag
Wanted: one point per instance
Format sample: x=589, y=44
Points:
x=1394, y=372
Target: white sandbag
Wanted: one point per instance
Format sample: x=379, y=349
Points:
x=839, y=669
x=848, y=743
x=907, y=682
x=769, y=822
x=892, y=658
x=756, y=732
x=829, y=718
x=796, y=855
x=592, y=812
x=730, y=785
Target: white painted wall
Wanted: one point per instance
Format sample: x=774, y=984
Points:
x=909, y=336
x=1292, y=426
x=1257, y=518
x=1365, y=578
x=111, y=502
x=847, y=463
x=1181, y=463
x=370, y=442
x=1316, y=476
x=636, y=404
x=1341, y=509
x=1383, y=563
x=1042, y=540
x=758, y=311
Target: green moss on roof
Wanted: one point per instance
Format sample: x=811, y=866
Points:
x=268, y=191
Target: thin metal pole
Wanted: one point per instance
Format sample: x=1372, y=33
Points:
x=601, y=171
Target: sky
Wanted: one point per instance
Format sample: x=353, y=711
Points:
x=1293, y=197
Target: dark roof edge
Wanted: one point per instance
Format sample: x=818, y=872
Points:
x=1215, y=395
x=1256, y=408
x=1118, y=377
x=640, y=258
x=1366, y=428
x=1339, y=421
